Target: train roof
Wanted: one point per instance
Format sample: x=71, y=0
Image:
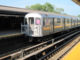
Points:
x=24, y=10
x=33, y=15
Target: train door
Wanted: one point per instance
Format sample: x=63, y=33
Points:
x=72, y=23
x=53, y=25
x=37, y=27
x=58, y=25
x=77, y=22
x=64, y=23
x=67, y=24
x=30, y=25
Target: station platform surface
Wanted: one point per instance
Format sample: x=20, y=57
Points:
x=73, y=54
x=66, y=54
x=9, y=33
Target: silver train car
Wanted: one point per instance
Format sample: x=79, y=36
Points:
x=43, y=24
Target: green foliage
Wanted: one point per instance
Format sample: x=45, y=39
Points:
x=78, y=15
x=46, y=7
x=27, y=7
x=65, y=13
x=36, y=7
x=59, y=10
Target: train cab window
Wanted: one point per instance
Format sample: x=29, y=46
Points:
x=38, y=22
x=31, y=20
x=58, y=20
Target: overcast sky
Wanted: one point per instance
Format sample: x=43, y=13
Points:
x=68, y=5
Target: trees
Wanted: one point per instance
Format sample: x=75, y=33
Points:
x=46, y=7
x=78, y=15
x=59, y=10
x=36, y=7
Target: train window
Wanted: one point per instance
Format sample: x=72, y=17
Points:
x=31, y=19
x=48, y=21
x=25, y=21
x=44, y=19
x=68, y=21
x=51, y=21
x=38, y=22
x=58, y=20
x=74, y=21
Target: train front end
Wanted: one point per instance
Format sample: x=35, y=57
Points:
x=32, y=25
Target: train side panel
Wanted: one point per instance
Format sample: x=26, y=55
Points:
x=78, y=22
x=58, y=25
x=47, y=28
x=67, y=24
x=72, y=23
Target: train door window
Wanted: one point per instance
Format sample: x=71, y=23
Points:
x=68, y=21
x=62, y=21
x=31, y=20
x=78, y=21
x=48, y=20
x=38, y=21
x=44, y=19
x=58, y=20
x=74, y=21
x=51, y=21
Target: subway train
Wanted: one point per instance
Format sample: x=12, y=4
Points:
x=43, y=24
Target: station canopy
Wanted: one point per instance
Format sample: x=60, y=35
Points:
x=76, y=1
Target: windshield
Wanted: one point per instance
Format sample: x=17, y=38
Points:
x=38, y=22
x=31, y=20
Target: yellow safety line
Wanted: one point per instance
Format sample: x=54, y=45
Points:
x=9, y=35
x=74, y=54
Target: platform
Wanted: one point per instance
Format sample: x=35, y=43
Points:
x=73, y=54
x=65, y=54
x=4, y=34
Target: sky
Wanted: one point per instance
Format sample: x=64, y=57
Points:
x=68, y=5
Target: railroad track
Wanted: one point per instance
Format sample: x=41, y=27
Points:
x=46, y=51
x=59, y=52
x=33, y=51
x=12, y=44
